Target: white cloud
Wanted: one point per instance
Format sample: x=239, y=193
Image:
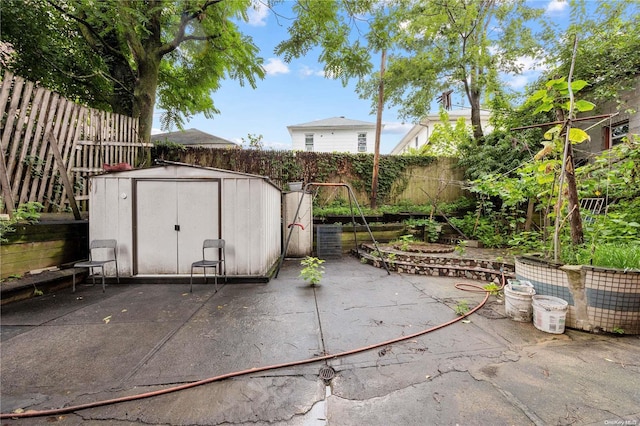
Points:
x=517, y=81
x=275, y=66
x=396, y=128
x=155, y=131
x=557, y=6
x=258, y=14
x=307, y=71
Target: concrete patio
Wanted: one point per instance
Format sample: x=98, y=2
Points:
x=63, y=349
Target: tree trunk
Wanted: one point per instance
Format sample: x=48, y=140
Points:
x=144, y=94
x=530, y=211
x=476, y=122
x=577, y=236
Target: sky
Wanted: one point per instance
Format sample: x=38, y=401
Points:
x=298, y=92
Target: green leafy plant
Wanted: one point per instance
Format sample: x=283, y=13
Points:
x=493, y=289
x=405, y=242
x=313, y=270
x=462, y=308
x=618, y=330
x=27, y=212
x=461, y=248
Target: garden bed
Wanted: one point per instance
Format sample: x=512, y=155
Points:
x=474, y=263
x=600, y=299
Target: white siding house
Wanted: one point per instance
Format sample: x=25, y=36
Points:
x=420, y=133
x=337, y=134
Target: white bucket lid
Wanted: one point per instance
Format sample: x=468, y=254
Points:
x=550, y=303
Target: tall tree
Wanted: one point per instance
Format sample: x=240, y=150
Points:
x=156, y=52
x=433, y=45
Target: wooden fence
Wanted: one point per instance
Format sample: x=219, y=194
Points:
x=51, y=145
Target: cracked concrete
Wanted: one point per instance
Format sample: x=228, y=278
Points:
x=66, y=349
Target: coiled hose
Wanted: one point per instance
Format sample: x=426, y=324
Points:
x=54, y=412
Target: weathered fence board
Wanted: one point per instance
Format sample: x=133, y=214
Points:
x=28, y=169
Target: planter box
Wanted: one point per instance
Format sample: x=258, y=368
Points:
x=44, y=245
x=600, y=299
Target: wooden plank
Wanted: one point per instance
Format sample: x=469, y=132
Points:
x=5, y=90
x=35, y=142
x=21, y=258
x=4, y=176
x=63, y=174
x=17, y=134
x=48, y=175
x=7, y=141
x=115, y=143
x=62, y=123
x=18, y=175
x=4, y=182
x=38, y=185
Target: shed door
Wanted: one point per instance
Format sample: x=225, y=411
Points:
x=172, y=220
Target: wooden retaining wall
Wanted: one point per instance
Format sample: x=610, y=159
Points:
x=43, y=245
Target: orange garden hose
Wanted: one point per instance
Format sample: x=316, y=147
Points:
x=69, y=409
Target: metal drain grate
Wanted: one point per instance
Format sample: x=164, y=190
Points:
x=327, y=373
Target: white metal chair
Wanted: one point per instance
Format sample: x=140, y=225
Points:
x=105, y=247
x=218, y=244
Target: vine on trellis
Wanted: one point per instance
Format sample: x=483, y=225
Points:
x=293, y=166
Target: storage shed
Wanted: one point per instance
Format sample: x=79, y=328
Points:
x=161, y=215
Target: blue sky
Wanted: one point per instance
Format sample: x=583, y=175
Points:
x=298, y=92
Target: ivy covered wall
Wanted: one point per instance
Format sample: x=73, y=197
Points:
x=401, y=178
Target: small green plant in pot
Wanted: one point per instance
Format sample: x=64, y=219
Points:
x=313, y=270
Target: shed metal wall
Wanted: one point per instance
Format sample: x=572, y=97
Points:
x=250, y=216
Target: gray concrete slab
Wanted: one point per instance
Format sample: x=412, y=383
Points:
x=66, y=349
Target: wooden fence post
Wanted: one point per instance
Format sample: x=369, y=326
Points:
x=63, y=175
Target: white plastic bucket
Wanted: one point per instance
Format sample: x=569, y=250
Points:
x=549, y=313
x=517, y=300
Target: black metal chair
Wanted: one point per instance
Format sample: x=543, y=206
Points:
x=105, y=247
x=214, y=263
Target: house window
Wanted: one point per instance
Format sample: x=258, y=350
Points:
x=308, y=142
x=416, y=142
x=362, y=142
x=613, y=135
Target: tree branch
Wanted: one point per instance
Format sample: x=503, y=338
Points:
x=184, y=21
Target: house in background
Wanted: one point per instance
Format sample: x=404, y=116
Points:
x=193, y=137
x=624, y=122
x=337, y=134
x=420, y=133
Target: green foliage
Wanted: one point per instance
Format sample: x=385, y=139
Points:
x=500, y=153
x=461, y=248
x=293, y=166
x=133, y=56
x=313, y=270
x=492, y=288
x=462, y=308
x=607, y=36
x=253, y=141
x=404, y=241
x=608, y=255
x=527, y=242
x=445, y=139
x=27, y=212
x=489, y=228
x=431, y=228
x=433, y=46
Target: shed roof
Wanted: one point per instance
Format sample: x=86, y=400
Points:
x=193, y=137
x=164, y=163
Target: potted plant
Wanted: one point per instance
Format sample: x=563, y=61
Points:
x=312, y=271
